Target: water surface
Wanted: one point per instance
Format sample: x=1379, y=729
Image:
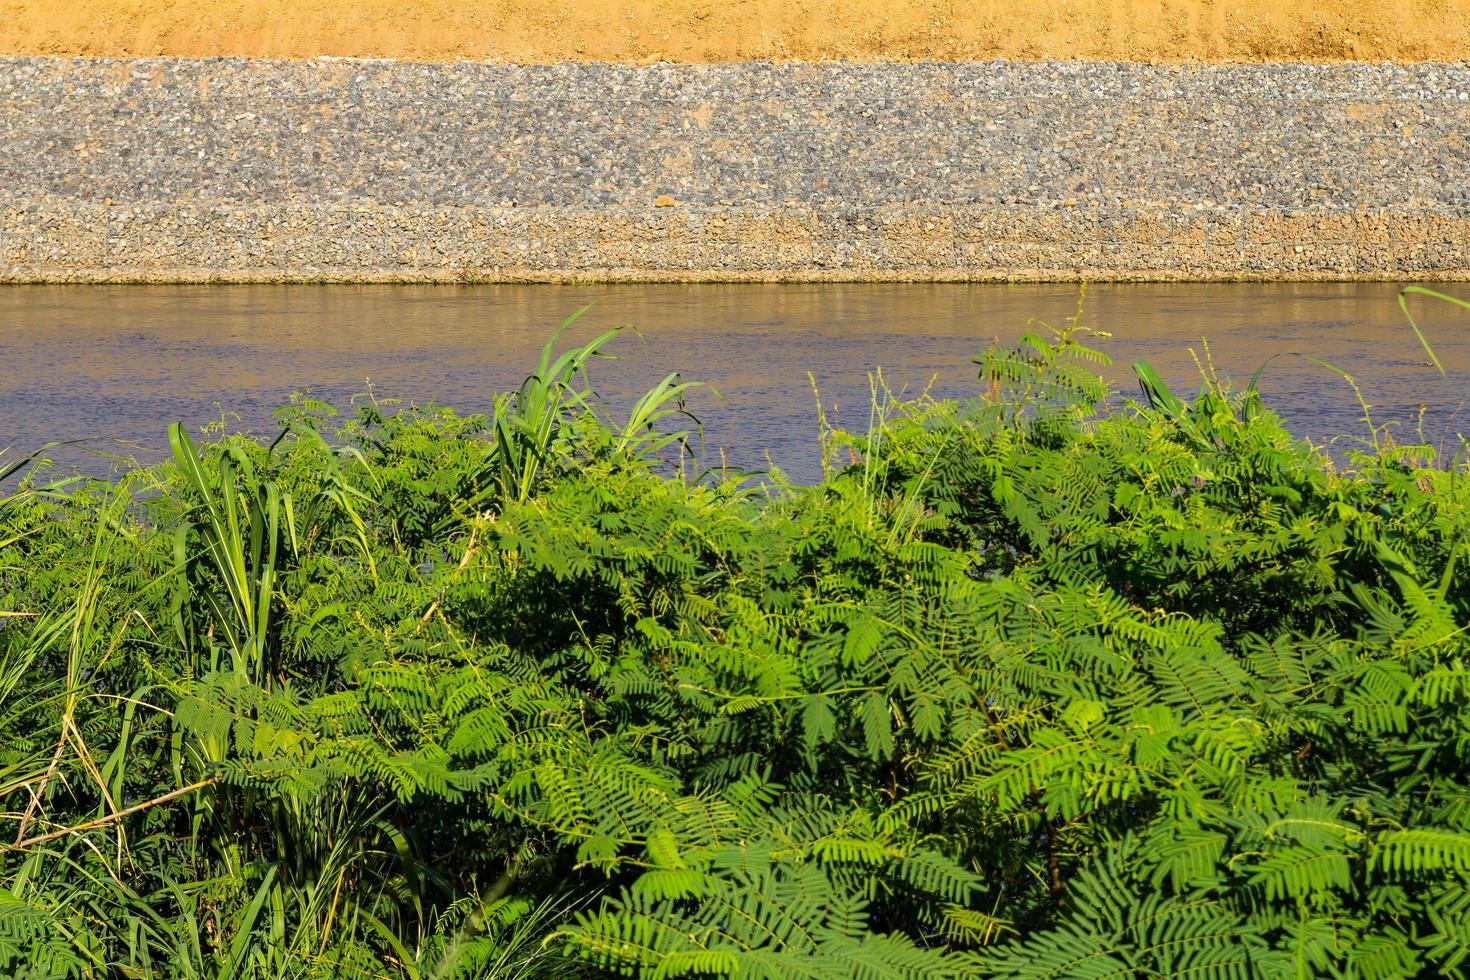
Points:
x=86, y=362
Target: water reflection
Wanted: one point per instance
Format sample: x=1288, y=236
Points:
x=122, y=361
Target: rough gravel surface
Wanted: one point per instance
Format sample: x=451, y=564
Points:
x=151, y=169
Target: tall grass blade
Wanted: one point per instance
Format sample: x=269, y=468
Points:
x=1155, y=391
x=1408, y=291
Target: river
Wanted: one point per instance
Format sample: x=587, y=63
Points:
x=115, y=364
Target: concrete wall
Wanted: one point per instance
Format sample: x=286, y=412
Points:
x=224, y=169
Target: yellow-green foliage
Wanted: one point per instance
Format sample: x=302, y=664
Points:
x=1033, y=688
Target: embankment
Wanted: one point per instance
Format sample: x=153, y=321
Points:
x=699, y=31
x=257, y=170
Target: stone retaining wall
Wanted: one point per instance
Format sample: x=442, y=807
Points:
x=234, y=170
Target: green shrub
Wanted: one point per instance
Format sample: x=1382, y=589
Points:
x=1040, y=684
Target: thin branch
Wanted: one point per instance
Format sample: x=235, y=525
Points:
x=103, y=821
x=463, y=563
x=36, y=795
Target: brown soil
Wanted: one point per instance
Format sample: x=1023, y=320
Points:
x=724, y=30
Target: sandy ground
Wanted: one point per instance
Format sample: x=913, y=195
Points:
x=643, y=31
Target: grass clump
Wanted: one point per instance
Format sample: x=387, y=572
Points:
x=1034, y=685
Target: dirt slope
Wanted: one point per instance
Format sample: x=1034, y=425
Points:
x=723, y=30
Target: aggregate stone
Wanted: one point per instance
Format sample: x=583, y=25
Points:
x=340, y=169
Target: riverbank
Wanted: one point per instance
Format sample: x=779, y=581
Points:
x=156, y=170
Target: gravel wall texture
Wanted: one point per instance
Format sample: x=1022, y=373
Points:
x=246, y=170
